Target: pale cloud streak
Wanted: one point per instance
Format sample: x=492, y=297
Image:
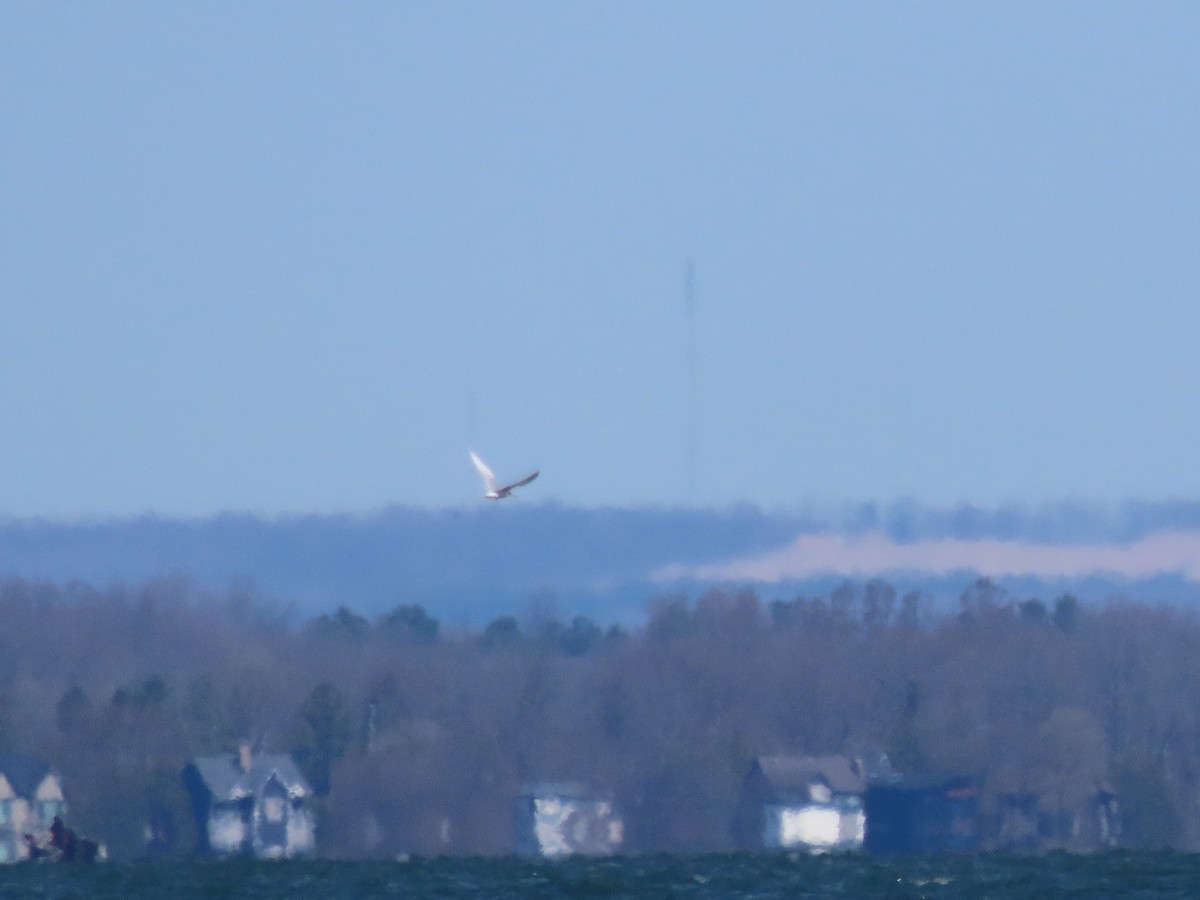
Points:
x=874, y=553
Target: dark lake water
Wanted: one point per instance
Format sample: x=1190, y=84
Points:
x=1133, y=875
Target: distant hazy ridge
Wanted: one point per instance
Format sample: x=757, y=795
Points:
x=481, y=561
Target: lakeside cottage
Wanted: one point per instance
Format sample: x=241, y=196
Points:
x=31, y=797
x=564, y=819
x=246, y=803
x=801, y=802
x=928, y=813
x=1023, y=821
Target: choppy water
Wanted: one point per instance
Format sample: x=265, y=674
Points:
x=1133, y=875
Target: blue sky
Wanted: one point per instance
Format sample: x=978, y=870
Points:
x=287, y=257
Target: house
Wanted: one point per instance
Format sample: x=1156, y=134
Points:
x=564, y=819
x=31, y=796
x=801, y=802
x=922, y=814
x=247, y=803
x=1099, y=826
x=1023, y=821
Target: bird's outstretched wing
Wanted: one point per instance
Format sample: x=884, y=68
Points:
x=516, y=484
x=489, y=480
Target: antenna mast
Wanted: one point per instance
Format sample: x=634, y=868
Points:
x=689, y=309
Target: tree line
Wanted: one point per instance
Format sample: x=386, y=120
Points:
x=418, y=736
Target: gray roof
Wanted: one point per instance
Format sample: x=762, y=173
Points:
x=24, y=773
x=224, y=777
x=796, y=773
x=574, y=790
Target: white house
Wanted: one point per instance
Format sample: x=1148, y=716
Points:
x=247, y=803
x=31, y=796
x=802, y=802
x=564, y=819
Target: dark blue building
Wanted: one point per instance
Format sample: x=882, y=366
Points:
x=922, y=814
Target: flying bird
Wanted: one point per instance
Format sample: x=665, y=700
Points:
x=495, y=490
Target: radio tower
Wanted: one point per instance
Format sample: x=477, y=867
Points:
x=689, y=310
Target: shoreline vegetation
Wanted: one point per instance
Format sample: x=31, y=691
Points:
x=416, y=735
